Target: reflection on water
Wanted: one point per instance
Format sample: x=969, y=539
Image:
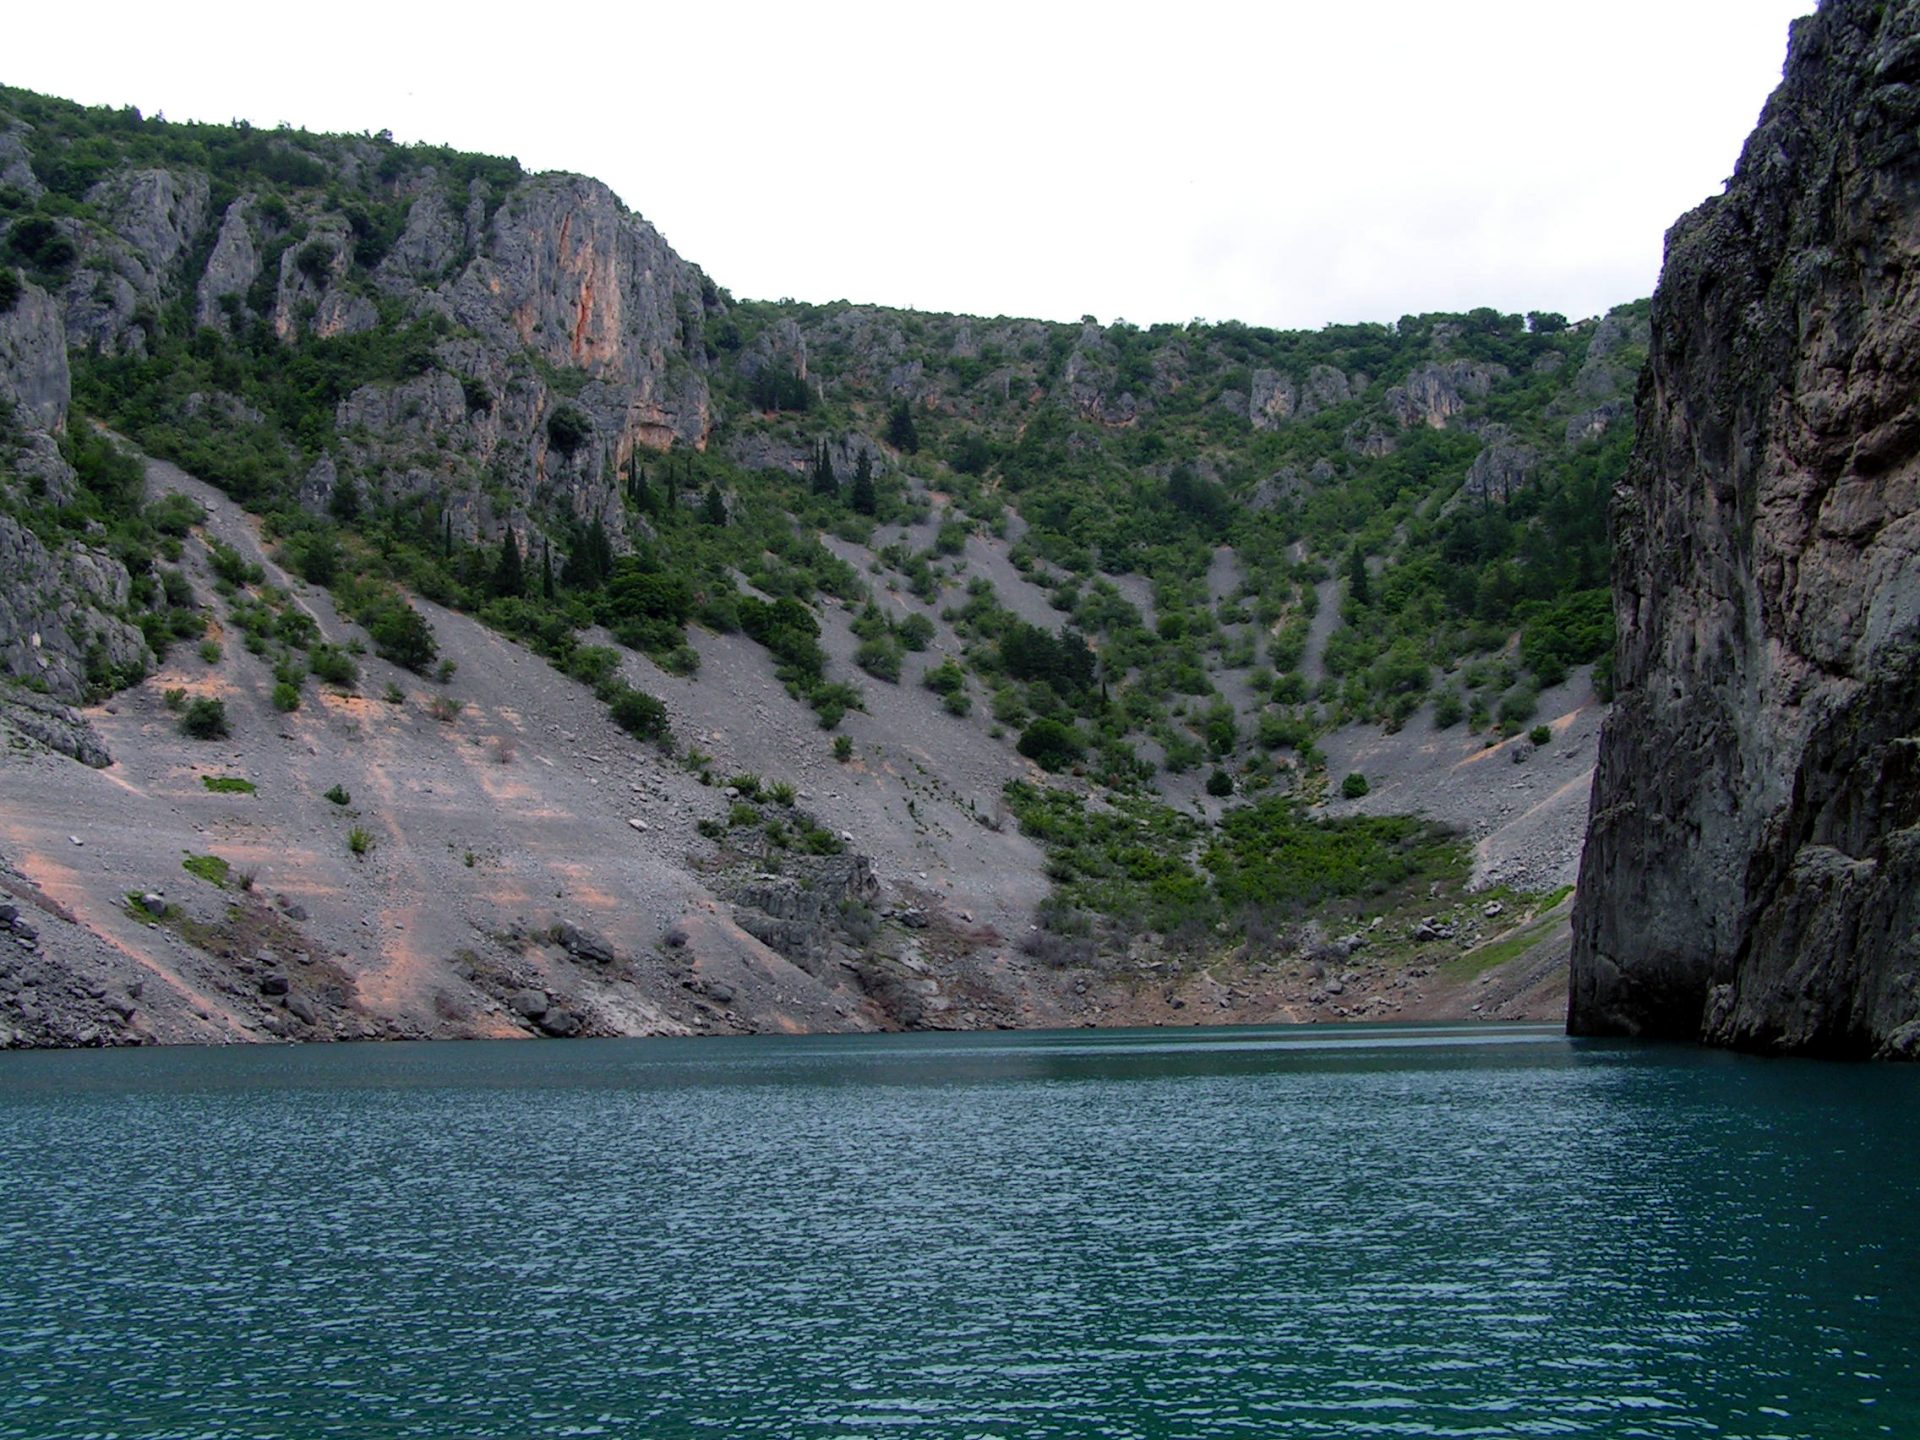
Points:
x=1317, y=1232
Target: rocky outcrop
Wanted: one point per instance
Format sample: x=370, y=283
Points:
x=1434, y=394
x=231, y=268
x=153, y=219
x=1501, y=470
x=1752, y=870
x=61, y=624
x=34, y=378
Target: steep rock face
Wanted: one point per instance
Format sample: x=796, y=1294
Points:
x=61, y=611
x=1752, y=870
x=34, y=377
x=572, y=276
x=231, y=268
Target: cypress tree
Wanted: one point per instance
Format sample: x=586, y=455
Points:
x=902, y=433
x=825, y=482
x=509, y=576
x=546, y=569
x=864, y=499
x=714, y=509
x=1359, y=588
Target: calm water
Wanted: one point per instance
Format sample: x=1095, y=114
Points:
x=1392, y=1232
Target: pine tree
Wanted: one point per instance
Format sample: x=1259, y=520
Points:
x=509, y=576
x=863, y=498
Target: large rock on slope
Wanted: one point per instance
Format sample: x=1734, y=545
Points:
x=1752, y=871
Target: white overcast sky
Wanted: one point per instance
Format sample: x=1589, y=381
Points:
x=1286, y=163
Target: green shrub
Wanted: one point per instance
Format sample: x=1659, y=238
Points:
x=1448, y=709
x=205, y=718
x=210, y=651
x=175, y=515
x=228, y=784
x=401, y=634
x=879, y=658
x=1518, y=706
x=638, y=713
x=359, y=841
x=1354, y=786
x=1050, y=744
x=1540, y=734
x=946, y=678
x=1219, y=784
x=334, y=665
x=916, y=632
x=231, y=566
x=339, y=796
x=843, y=748
x=568, y=429
x=286, y=697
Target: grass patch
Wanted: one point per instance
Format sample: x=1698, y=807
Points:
x=1497, y=952
x=210, y=868
x=228, y=784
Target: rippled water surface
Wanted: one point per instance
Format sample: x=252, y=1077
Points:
x=1349, y=1232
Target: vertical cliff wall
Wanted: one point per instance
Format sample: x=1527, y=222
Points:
x=1752, y=870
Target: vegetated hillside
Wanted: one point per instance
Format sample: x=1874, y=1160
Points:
x=1155, y=570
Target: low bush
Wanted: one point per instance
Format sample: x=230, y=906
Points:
x=205, y=718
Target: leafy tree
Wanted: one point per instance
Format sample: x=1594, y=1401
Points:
x=1354, y=786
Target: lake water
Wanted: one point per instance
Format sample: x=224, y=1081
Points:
x=1260, y=1232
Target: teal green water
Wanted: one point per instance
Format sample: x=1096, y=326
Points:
x=1352, y=1232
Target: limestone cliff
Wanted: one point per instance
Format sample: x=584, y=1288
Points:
x=1752, y=871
